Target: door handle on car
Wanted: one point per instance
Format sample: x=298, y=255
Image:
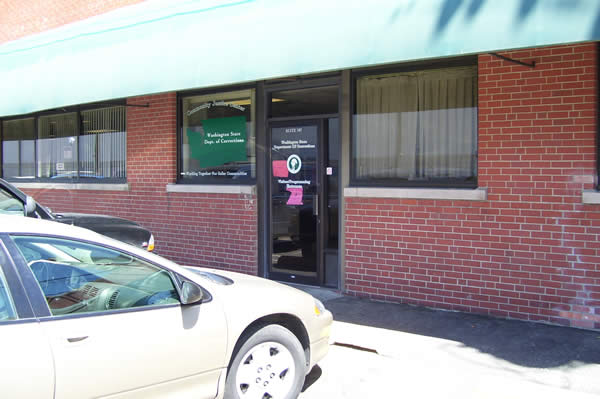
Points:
x=76, y=339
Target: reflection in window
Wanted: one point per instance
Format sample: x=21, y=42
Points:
x=218, y=137
x=18, y=147
x=416, y=126
x=9, y=205
x=90, y=144
x=77, y=277
x=303, y=102
x=57, y=145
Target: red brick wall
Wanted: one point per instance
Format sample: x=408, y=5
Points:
x=216, y=230
x=20, y=18
x=532, y=250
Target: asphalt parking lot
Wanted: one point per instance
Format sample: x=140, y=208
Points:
x=391, y=350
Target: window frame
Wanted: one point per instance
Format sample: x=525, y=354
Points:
x=35, y=127
x=77, y=109
x=26, y=302
x=38, y=300
x=208, y=181
x=5, y=288
x=469, y=183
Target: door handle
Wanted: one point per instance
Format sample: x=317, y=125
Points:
x=316, y=205
x=76, y=339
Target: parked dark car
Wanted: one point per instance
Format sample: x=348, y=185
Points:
x=14, y=201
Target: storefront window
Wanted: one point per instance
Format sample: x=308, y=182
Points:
x=416, y=128
x=56, y=145
x=18, y=148
x=88, y=145
x=103, y=143
x=217, y=138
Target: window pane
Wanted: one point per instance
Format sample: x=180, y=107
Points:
x=18, y=148
x=416, y=126
x=76, y=277
x=10, y=205
x=102, y=144
x=218, y=137
x=7, y=308
x=57, y=146
x=302, y=102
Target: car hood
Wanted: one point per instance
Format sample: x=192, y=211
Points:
x=245, y=283
x=114, y=227
x=244, y=288
x=80, y=219
x=250, y=298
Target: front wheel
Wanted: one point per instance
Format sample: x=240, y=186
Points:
x=269, y=365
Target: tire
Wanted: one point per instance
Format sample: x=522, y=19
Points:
x=270, y=364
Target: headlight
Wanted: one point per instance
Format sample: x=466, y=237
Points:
x=319, y=307
x=150, y=245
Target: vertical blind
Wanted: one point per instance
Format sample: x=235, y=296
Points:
x=102, y=145
x=87, y=144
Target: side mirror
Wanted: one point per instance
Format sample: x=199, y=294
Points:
x=30, y=206
x=191, y=293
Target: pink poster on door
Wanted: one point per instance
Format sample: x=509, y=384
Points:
x=296, y=196
x=280, y=169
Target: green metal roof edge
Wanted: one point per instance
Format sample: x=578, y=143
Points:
x=160, y=46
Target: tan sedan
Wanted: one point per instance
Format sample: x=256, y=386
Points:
x=82, y=315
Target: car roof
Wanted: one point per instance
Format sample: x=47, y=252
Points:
x=23, y=225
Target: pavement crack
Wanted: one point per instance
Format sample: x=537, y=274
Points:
x=355, y=347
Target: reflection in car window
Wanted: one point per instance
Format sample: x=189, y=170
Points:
x=77, y=277
x=7, y=308
x=10, y=205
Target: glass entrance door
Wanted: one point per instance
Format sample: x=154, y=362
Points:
x=295, y=201
x=303, y=141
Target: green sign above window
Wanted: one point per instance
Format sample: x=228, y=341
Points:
x=222, y=141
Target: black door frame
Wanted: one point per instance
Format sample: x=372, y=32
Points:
x=319, y=188
x=263, y=159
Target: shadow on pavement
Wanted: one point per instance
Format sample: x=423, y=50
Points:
x=520, y=342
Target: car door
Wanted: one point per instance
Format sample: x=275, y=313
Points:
x=26, y=358
x=116, y=325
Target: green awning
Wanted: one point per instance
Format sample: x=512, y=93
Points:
x=160, y=46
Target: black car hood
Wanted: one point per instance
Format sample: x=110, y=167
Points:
x=114, y=227
x=89, y=219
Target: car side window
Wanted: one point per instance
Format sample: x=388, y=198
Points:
x=7, y=308
x=77, y=277
x=9, y=205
